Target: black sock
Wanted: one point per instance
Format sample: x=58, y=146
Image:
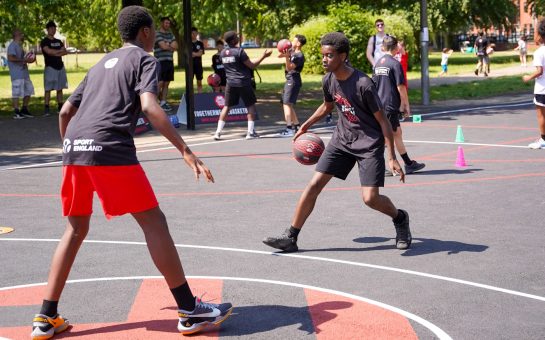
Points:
x=296, y=127
x=16, y=110
x=400, y=217
x=288, y=127
x=184, y=298
x=406, y=159
x=543, y=137
x=25, y=109
x=294, y=232
x=49, y=308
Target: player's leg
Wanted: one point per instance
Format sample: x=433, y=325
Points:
x=371, y=170
x=60, y=99
x=47, y=99
x=539, y=100
x=332, y=163
x=411, y=165
x=289, y=131
x=248, y=96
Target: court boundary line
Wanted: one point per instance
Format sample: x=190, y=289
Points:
x=313, y=258
x=423, y=322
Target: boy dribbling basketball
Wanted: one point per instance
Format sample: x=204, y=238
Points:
x=97, y=125
x=359, y=137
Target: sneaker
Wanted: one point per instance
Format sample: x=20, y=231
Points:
x=27, y=113
x=18, y=115
x=477, y=72
x=203, y=315
x=287, y=132
x=414, y=167
x=252, y=135
x=217, y=136
x=166, y=107
x=403, y=233
x=329, y=119
x=46, y=112
x=283, y=242
x=401, y=116
x=44, y=327
x=538, y=144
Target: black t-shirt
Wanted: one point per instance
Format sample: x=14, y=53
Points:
x=481, y=44
x=388, y=74
x=197, y=46
x=238, y=74
x=218, y=66
x=298, y=59
x=357, y=131
x=102, y=130
x=52, y=61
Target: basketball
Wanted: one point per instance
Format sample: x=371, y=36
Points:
x=283, y=45
x=30, y=57
x=214, y=80
x=308, y=148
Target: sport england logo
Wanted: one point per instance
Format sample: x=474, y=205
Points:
x=85, y=145
x=346, y=108
x=110, y=63
x=66, y=146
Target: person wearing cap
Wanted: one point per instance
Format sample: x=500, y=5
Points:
x=54, y=73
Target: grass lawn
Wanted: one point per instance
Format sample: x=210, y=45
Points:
x=272, y=79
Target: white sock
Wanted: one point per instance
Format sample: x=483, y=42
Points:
x=221, y=125
x=251, y=126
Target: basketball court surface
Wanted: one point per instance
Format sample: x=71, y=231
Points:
x=476, y=268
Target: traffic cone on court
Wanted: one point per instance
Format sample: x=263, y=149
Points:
x=460, y=159
x=459, y=135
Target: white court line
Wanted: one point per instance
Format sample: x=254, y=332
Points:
x=313, y=258
x=324, y=128
x=465, y=143
x=430, y=326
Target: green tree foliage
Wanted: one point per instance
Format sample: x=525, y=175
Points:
x=536, y=7
x=358, y=25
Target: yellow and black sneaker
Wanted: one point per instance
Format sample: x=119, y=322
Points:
x=203, y=315
x=44, y=327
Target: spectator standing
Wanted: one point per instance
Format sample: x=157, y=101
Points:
x=165, y=45
x=374, y=45
x=218, y=66
x=523, y=51
x=54, y=73
x=444, y=61
x=294, y=62
x=21, y=85
x=198, y=51
x=481, y=44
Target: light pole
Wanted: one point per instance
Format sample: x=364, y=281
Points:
x=424, y=62
x=190, y=104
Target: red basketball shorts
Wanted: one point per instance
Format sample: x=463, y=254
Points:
x=121, y=189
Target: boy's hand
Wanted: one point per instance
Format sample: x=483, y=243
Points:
x=298, y=134
x=197, y=166
x=396, y=169
x=267, y=53
x=526, y=78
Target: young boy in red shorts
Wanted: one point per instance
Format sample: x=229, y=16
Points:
x=97, y=126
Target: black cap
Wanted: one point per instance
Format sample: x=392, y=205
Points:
x=50, y=23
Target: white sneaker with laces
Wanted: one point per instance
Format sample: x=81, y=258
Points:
x=217, y=136
x=252, y=135
x=538, y=144
x=287, y=133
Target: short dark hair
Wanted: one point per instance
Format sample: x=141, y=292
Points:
x=50, y=23
x=194, y=29
x=541, y=28
x=301, y=39
x=230, y=37
x=131, y=19
x=165, y=18
x=389, y=42
x=220, y=42
x=379, y=20
x=338, y=40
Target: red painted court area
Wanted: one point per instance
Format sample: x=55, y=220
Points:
x=153, y=315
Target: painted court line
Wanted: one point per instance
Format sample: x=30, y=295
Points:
x=430, y=326
x=313, y=258
x=499, y=106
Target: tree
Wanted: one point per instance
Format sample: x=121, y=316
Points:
x=536, y=7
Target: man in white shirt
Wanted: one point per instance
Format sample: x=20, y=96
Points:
x=374, y=46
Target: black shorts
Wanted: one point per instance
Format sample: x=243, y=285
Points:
x=393, y=117
x=197, y=70
x=539, y=99
x=339, y=163
x=291, y=91
x=167, y=70
x=223, y=79
x=234, y=94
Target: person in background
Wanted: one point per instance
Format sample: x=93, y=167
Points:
x=218, y=66
x=54, y=73
x=21, y=85
x=165, y=45
x=198, y=51
x=523, y=51
x=445, y=54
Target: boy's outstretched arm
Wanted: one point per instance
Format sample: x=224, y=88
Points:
x=159, y=120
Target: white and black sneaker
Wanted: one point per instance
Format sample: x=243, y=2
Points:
x=403, y=233
x=203, y=315
x=284, y=242
x=217, y=136
x=252, y=135
x=287, y=132
x=17, y=115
